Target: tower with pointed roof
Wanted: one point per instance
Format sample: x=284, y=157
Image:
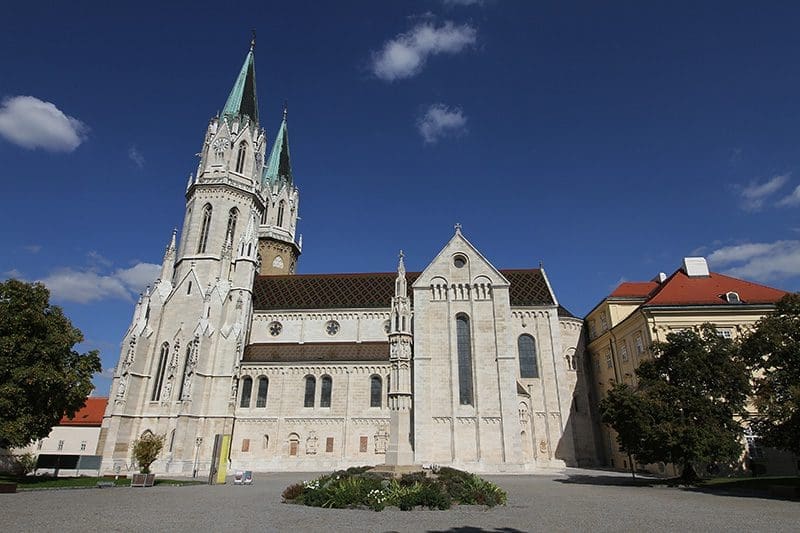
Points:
x=278, y=244
x=179, y=367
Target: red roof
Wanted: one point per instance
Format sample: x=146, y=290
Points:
x=91, y=414
x=634, y=289
x=680, y=289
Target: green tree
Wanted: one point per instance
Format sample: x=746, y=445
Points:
x=773, y=352
x=146, y=449
x=42, y=377
x=627, y=412
x=685, y=402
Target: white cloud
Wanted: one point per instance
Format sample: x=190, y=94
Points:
x=441, y=121
x=32, y=248
x=136, y=156
x=755, y=194
x=32, y=123
x=405, y=55
x=792, y=200
x=761, y=261
x=14, y=274
x=85, y=286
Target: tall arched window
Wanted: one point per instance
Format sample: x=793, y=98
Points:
x=325, y=393
x=204, y=227
x=527, y=357
x=281, y=207
x=233, y=214
x=185, y=368
x=375, y=391
x=240, y=157
x=311, y=389
x=160, y=370
x=464, y=359
x=265, y=214
x=263, y=387
x=246, y=391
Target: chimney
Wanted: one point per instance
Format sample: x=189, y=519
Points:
x=695, y=267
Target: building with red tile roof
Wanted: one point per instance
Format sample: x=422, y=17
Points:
x=624, y=324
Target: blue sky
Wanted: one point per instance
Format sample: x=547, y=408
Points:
x=608, y=141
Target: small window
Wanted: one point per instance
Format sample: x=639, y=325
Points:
x=733, y=298
x=281, y=208
x=725, y=333
x=329, y=444
x=160, y=370
x=639, y=345
x=528, y=367
x=233, y=214
x=623, y=351
x=275, y=329
x=459, y=261
x=375, y=391
x=83, y=445
x=609, y=361
x=325, y=393
x=332, y=327
x=311, y=389
x=363, y=442
x=247, y=391
x=189, y=288
x=60, y=445
x=603, y=322
x=241, y=157
x=263, y=387
x=265, y=442
x=204, y=227
x=245, y=445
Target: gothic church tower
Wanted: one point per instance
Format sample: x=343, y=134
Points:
x=179, y=365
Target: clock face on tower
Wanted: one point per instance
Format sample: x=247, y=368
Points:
x=220, y=144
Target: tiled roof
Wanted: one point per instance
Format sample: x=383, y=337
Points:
x=634, y=289
x=91, y=414
x=680, y=289
x=370, y=290
x=564, y=312
x=316, y=351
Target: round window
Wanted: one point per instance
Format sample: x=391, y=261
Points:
x=459, y=261
x=332, y=327
x=275, y=328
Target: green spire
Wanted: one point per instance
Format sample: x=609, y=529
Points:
x=278, y=165
x=242, y=100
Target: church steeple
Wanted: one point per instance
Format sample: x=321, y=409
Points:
x=243, y=100
x=279, y=165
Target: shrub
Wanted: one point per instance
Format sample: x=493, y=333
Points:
x=355, y=487
x=146, y=449
x=292, y=492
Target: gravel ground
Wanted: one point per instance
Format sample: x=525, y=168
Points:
x=575, y=500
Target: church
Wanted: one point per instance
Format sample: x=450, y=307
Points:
x=242, y=363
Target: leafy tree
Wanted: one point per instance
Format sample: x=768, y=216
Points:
x=627, y=412
x=685, y=402
x=146, y=449
x=42, y=377
x=773, y=352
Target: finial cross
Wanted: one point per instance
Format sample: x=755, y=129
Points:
x=458, y=227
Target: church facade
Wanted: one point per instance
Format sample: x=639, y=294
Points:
x=234, y=357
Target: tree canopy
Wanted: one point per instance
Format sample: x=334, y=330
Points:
x=682, y=409
x=42, y=377
x=773, y=352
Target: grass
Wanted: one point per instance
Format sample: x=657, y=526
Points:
x=47, y=482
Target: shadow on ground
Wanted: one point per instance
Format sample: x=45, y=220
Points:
x=470, y=529
x=770, y=492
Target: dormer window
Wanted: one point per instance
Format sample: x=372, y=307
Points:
x=733, y=298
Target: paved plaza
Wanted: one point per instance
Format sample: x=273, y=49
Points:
x=574, y=500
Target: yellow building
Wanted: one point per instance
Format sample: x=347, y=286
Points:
x=623, y=325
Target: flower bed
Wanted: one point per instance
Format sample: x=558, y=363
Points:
x=360, y=488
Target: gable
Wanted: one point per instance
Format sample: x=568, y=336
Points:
x=459, y=262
